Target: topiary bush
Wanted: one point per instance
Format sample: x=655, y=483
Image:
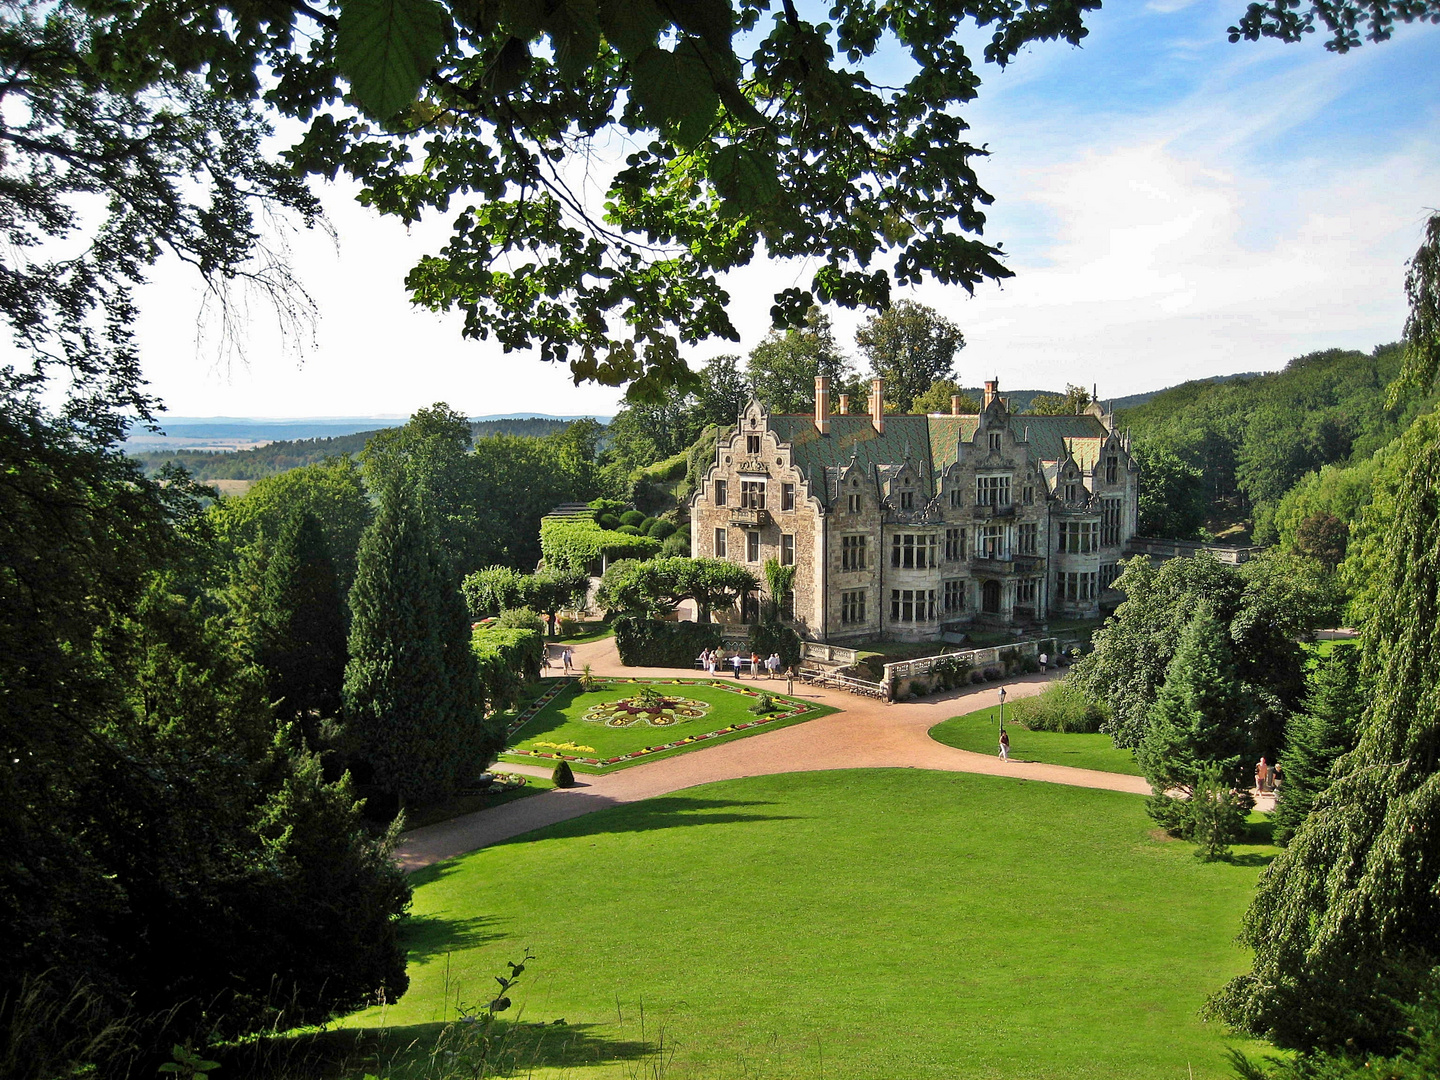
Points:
x=632, y=517
x=644, y=526
x=629, y=530
x=650, y=643
x=1059, y=707
x=521, y=618
x=564, y=776
x=660, y=528
x=609, y=521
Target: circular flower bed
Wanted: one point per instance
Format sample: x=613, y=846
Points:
x=649, y=709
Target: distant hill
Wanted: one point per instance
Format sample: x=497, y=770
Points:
x=284, y=454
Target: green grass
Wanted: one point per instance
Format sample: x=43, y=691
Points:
x=896, y=923
x=562, y=722
x=584, y=634
x=980, y=732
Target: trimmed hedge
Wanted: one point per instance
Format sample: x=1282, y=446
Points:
x=508, y=659
x=1059, y=707
x=574, y=543
x=649, y=643
x=767, y=638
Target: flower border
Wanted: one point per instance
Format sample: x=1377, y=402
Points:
x=787, y=709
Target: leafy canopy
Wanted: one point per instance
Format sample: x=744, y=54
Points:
x=910, y=346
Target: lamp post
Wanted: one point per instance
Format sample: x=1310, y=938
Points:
x=1002, y=710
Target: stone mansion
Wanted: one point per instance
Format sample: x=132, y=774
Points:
x=906, y=526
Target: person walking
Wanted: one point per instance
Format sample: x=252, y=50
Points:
x=703, y=660
x=736, y=661
x=773, y=665
x=754, y=665
x=569, y=657
x=1262, y=777
x=1004, y=746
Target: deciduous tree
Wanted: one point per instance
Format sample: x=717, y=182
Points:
x=910, y=346
x=783, y=368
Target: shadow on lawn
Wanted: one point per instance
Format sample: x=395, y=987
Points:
x=662, y=812
x=425, y=936
x=436, y=1050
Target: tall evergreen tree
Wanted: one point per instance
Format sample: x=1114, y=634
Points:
x=411, y=686
x=1200, y=720
x=1317, y=737
x=1346, y=921
x=302, y=632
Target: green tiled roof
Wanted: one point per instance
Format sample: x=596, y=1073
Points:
x=928, y=438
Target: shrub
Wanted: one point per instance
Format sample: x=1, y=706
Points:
x=644, y=526
x=1029, y=664
x=1059, y=707
x=575, y=543
x=993, y=673
x=629, y=530
x=588, y=681
x=520, y=618
x=1008, y=658
x=1217, y=815
x=608, y=521
x=508, y=659
x=632, y=517
x=660, y=528
x=763, y=704
x=950, y=672
x=568, y=626
x=677, y=543
x=977, y=676
x=649, y=643
x=767, y=638
x=564, y=776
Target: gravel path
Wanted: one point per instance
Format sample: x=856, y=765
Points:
x=866, y=734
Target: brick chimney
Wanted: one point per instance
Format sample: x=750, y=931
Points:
x=954, y=404
x=877, y=405
x=822, y=404
x=844, y=405
x=992, y=387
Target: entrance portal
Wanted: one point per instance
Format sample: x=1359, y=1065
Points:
x=990, y=597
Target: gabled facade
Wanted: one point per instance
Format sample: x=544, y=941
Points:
x=904, y=526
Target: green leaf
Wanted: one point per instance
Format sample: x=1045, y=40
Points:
x=631, y=26
x=386, y=48
x=677, y=92
x=574, y=28
x=523, y=18
x=711, y=20
x=744, y=177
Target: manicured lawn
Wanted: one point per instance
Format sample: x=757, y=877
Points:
x=881, y=923
x=561, y=729
x=980, y=732
x=430, y=813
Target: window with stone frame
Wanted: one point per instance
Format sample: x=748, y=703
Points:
x=1027, y=494
x=852, y=607
x=995, y=440
x=853, y=552
x=787, y=496
x=912, y=551
x=720, y=545
x=957, y=498
x=992, y=491
x=954, y=596
x=912, y=605
x=787, y=549
x=1112, y=469
x=752, y=547
x=907, y=500
x=752, y=445
x=1108, y=573
x=1078, y=537
x=853, y=505
x=721, y=492
x=1109, y=522
x=955, y=545
x=1027, y=538
x=752, y=494
x=990, y=543
x=1025, y=592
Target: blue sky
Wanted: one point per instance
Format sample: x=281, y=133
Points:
x=1174, y=206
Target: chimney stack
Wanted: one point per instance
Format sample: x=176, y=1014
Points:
x=954, y=404
x=992, y=387
x=822, y=404
x=844, y=404
x=877, y=404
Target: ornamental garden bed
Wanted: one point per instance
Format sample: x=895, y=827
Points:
x=626, y=721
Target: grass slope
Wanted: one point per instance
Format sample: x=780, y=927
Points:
x=562, y=721
x=896, y=923
x=980, y=732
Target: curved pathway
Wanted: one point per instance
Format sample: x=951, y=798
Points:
x=867, y=734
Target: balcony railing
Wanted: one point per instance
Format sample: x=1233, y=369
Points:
x=992, y=564
x=749, y=515
x=985, y=511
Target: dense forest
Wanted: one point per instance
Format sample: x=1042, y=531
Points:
x=1228, y=454
x=283, y=454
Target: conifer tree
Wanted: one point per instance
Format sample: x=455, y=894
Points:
x=411, y=686
x=302, y=629
x=1346, y=921
x=1200, y=720
x=1317, y=737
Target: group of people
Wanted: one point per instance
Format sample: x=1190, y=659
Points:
x=712, y=660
